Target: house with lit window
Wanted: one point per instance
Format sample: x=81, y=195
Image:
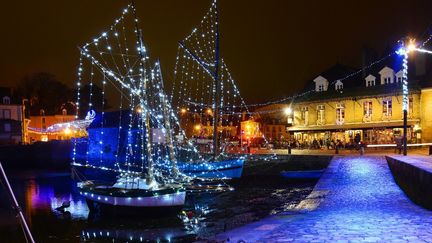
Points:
x=273, y=121
x=345, y=101
x=11, y=118
x=39, y=123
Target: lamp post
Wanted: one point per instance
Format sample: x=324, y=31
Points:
x=23, y=123
x=405, y=100
x=288, y=112
x=405, y=49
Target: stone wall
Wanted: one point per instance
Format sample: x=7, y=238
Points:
x=414, y=181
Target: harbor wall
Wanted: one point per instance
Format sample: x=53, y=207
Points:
x=414, y=181
x=286, y=163
x=53, y=155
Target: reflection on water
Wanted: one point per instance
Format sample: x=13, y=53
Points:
x=42, y=196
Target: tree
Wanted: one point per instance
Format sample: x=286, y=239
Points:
x=44, y=92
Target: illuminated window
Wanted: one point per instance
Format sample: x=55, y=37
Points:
x=340, y=113
x=305, y=115
x=320, y=114
x=387, y=107
x=410, y=106
x=367, y=108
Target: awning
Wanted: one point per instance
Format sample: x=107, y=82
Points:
x=352, y=126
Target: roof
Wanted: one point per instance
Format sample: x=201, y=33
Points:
x=9, y=92
x=332, y=74
x=354, y=80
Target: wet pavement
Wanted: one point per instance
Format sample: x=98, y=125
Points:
x=356, y=200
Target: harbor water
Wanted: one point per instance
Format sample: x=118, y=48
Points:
x=205, y=214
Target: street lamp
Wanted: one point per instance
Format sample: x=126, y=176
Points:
x=403, y=51
x=405, y=95
x=289, y=113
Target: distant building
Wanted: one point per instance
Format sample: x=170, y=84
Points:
x=200, y=125
x=41, y=122
x=273, y=122
x=250, y=130
x=11, y=118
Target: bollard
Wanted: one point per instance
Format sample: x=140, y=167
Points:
x=430, y=149
x=337, y=150
x=289, y=148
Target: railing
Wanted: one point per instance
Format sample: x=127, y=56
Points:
x=27, y=234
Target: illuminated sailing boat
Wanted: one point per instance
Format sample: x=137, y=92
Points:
x=137, y=146
x=207, y=100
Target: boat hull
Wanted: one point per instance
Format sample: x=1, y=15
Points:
x=125, y=201
x=217, y=169
x=154, y=211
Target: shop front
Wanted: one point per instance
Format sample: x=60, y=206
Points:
x=370, y=133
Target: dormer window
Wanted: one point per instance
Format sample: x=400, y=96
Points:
x=399, y=76
x=6, y=100
x=370, y=80
x=321, y=84
x=338, y=85
x=387, y=75
x=64, y=112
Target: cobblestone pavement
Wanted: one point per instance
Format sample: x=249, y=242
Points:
x=362, y=203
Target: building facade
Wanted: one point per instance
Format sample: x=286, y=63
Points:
x=369, y=105
x=40, y=123
x=11, y=118
x=273, y=122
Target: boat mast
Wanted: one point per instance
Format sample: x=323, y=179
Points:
x=217, y=88
x=168, y=134
x=145, y=115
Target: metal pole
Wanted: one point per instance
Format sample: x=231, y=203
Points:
x=16, y=205
x=405, y=100
x=167, y=125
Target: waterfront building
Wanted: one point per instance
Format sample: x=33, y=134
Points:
x=368, y=103
x=39, y=124
x=11, y=118
x=273, y=122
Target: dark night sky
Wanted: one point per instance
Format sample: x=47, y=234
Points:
x=272, y=47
